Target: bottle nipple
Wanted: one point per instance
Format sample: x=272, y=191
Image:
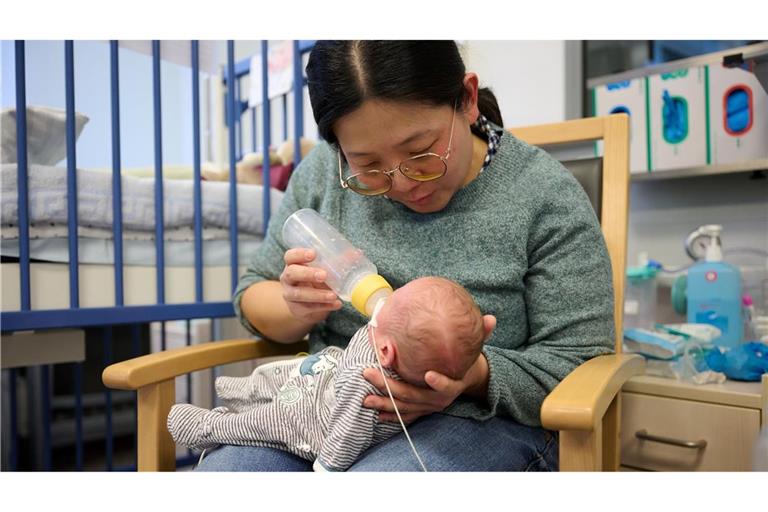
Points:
x=368, y=291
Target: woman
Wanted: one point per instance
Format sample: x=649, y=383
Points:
x=417, y=172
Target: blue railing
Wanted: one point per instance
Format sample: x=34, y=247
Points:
x=78, y=317
x=117, y=191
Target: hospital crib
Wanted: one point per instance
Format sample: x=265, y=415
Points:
x=113, y=300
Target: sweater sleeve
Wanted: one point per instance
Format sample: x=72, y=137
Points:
x=351, y=427
x=568, y=301
x=267, y=262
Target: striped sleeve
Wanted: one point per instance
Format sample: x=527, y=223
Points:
x=351, y=425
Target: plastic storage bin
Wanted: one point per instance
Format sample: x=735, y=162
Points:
x=640, y=298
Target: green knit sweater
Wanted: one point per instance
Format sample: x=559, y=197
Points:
x=522, y=238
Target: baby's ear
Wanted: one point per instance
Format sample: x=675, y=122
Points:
x=489, y=324
x=387, y=350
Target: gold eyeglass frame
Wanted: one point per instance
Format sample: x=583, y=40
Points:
x=443, y=158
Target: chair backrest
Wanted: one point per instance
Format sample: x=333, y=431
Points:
x=605, y=180
x=589, y=173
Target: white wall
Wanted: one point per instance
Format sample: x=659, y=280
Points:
x=534, y=81
x=45, y=85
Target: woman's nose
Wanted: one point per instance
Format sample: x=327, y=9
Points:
x=402, y=184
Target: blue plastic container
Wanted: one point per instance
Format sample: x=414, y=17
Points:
x=714, y=297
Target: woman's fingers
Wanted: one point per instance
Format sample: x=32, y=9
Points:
x=309, y=295
x=299, y=256
x=384, y=404
x=400, y=390
x=443, y=384
x=301, y=274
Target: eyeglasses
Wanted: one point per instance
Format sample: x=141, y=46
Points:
x=424, y=167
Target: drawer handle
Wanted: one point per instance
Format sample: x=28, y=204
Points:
x=644, y=435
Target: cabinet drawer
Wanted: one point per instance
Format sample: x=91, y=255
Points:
x=729, y=432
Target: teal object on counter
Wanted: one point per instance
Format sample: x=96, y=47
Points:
x=714, y=292
x=714, y=297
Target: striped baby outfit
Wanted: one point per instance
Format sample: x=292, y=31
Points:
x=311, y=407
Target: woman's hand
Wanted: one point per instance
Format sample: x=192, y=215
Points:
x=304, y=290
x=414, y=402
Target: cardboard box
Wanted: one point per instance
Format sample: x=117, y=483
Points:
x=677, y=117
x=627, y=96
x=738, y=110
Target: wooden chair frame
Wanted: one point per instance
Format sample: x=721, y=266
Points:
x=585, y=407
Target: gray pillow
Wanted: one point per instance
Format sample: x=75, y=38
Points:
x=46, y=134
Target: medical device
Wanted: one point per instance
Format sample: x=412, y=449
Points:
x=373, y=325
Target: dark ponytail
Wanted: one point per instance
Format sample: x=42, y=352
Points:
x=343, y=74
x=489, y=107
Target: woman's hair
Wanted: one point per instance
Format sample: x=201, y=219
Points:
x=440, y=328
x=343, y=74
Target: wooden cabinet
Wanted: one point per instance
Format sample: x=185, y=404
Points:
x=667, y=425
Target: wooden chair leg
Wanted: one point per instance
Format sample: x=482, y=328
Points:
x=581, y=450
x=156, y=451
x=611, y=435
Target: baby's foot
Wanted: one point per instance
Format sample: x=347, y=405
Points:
x=189, y=426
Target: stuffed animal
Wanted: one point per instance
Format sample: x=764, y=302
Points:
x=285, y=150
x=249, y=168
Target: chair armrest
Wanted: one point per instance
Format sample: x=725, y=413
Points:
x=152, y=368
x=581, y=399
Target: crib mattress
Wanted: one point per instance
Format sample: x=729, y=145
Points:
x=135, y=252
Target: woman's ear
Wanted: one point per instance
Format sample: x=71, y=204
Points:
x=470, y=100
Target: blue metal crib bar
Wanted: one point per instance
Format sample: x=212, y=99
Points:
x=74, y=285
x=21, y=169
x=117, y=189
x=253, y=129
x=198, y=192
x=159, y=217
x=233, y=255
x=299, y=49
x=69, y=69
x=266, y=138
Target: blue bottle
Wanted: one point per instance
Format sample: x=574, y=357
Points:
x=714, y=293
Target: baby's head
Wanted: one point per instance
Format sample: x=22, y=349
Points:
x=430, y=323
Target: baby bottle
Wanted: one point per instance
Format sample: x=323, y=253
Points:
x=351, y=275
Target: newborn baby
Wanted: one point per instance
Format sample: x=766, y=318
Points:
x=313, y=406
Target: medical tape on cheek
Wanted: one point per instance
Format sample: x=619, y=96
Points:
x=376, y=309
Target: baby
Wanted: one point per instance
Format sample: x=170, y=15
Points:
x=313, y=406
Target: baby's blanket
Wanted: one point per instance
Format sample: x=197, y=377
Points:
x=48, y=200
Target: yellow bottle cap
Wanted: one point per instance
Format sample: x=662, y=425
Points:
x=367, y=286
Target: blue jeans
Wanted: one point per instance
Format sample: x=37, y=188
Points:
x=444, y=443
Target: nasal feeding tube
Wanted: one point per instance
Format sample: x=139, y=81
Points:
x=373, y=324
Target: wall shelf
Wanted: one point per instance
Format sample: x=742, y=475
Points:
x=705, y=170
